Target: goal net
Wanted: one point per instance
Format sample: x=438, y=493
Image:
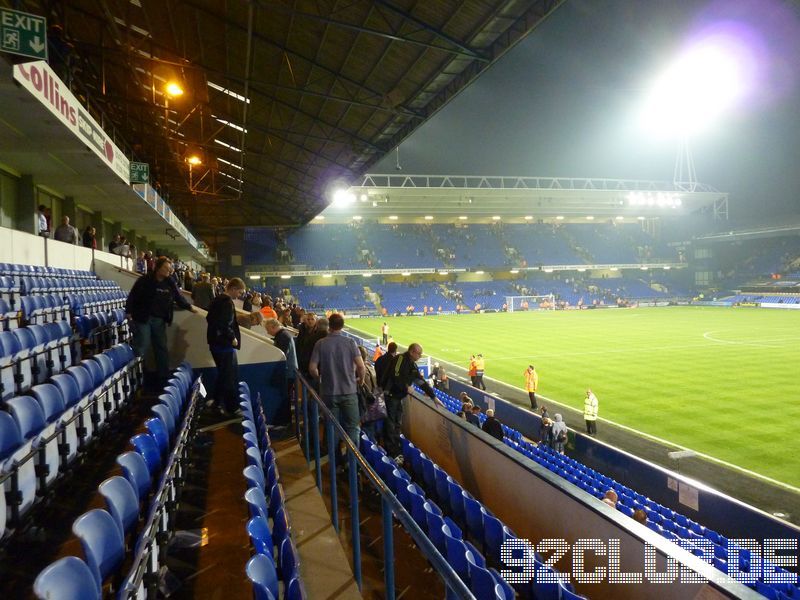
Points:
x=520, y=303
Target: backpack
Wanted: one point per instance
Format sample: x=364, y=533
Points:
x=562, y=436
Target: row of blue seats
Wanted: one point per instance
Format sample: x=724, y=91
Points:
x=265, y=498
x=29, y=355
x=454, y=406
x=15, y=270
x=12, y=288
x=668, y=523
x=41, y=434
x=103, y=533
x=485, y=530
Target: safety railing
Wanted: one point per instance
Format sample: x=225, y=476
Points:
x=308, y=404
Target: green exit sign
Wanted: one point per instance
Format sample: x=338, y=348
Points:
x=140, y=172
x=23, y=33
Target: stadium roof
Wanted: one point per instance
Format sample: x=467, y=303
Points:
x=279, y=98
x=401, y=198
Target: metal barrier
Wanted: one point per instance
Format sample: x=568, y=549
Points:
x=308, y=404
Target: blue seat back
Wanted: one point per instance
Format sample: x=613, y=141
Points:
x=158, y=430
x=261, y=572
x=28, y=414
x=122, y=502
x=82, y=378
x=10, y=437
x=260, y=536
x=147, y=447
x=66, y=579
x=163, y=412
x=102, y=542
x=135, y=470
x=50, y=399
x=68, y=387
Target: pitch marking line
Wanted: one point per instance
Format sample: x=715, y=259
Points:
x=758, y=344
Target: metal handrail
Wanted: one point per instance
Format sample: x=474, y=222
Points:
x=391, y=506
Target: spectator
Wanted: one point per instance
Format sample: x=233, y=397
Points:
x=90, y=237
x=151, y=262
x=397, y=381
x=440, y=381
x=543, y=412
x=224, y=339
x=285, y=317
x=43, y=221
x=480, y=365
x=473, y=416
x=546, y=432
x=247, y=303
x=640, y=516
x=337, y=363
x=610, y=498
x=558, y=434
x=66, y=233
x=115, y=243
x=384, y=333
x=266, y=309
x=141, y=263
x=385, y=360
x=149, y=306
x=319, y=332
x=590, y=405
x=374, y=412
x=188, y=280
x=492, y=426
x=464, y=398
x=531, y=384
x=203, y=292
x=284, y=341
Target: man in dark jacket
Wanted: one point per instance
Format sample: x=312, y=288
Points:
x=383, y=362
x=492, y=426
x=397, y=380
x=224, y=338
x=149, y=305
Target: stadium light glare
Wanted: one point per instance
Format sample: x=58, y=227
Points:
x=343, y=197
x=254, y=277
x=711, y=76
x=429, y=217
x=173, y=89
x=496, y=218
x=393, y=217
x=589, y=218
x=614, y=269
x=405, y=274
x=463, y=218
x=514, y=271
x=529, y=217
x=320, y=217
x=560, y=218
x=326, y=275
x=357, y=217
x=286, y=276
x=620, y=218
x=366, y=274
x=363, y=197
x=548, y=270
x=442, y=272
x=667, y=268
x=478, y=272
x=641, y=218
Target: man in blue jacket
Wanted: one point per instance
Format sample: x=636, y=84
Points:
x=150, y=306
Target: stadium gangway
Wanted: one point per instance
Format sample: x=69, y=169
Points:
x=308, y=403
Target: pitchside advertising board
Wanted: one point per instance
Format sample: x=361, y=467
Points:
x=47, y=88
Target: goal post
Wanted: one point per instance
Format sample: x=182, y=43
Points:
x=521, y=303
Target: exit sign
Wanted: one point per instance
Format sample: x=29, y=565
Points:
x=140, y=172
x=23, y=33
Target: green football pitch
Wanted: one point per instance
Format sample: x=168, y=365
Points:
x=720, y=381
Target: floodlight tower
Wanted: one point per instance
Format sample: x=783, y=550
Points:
x=684, y=176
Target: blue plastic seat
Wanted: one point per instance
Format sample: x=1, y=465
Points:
x=456, y=501
x=481, y=582
x=295, y=590
x=254, y=477
x=162, y=412
x=280, y=526
x=473, y=514
x=289, y=562
x=496, y=533
x=260, y=536
x=102, y=542
x=122, y=502
x=257, y=503
x=145, y=445
x=135, y=470
x=261, y=572
x=158, y=430
x=68, y=578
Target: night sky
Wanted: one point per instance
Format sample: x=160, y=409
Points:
x=565, y=102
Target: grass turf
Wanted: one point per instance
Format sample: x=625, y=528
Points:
x=716, y=380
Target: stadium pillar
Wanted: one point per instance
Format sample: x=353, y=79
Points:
x=68, y=209
x=97, y=223
x=26, y=205
x=116, y=228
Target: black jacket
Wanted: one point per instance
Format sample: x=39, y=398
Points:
x=493, y=427
x=402, y=373
x=383, y=362
x=222, y=325
x=148, y=295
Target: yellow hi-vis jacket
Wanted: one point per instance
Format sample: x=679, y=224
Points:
x=531, y=380
x=479, y=365
x=590, y=408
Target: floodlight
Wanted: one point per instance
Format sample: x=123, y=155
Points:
x=173, y=89
x=363, y=197
x=343, y=197
x=194, y=160
x=711, y=76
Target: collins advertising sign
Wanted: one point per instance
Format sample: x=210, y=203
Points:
x=39, y=80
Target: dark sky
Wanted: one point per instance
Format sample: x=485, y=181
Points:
x=562, y=103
